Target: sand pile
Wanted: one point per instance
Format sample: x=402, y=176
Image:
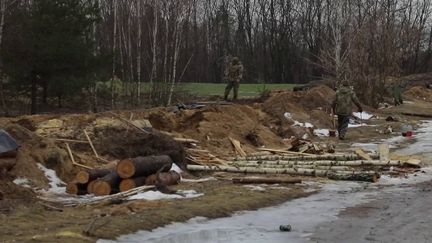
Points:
x=419, y=93
x=309, y=106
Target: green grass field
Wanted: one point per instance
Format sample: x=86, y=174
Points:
x=246, y=90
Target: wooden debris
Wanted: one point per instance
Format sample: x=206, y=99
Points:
x=129, y=123
x=73, y=159
x=91, y=144
x=260, y=180
x=237, y=146
x=362, y=154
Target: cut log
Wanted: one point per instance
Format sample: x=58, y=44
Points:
x=362, y=154
x=355, y=177
x=131, y=183
x=252, y=180
x=90, y=186
x=143, y=166
x=84, y=177
x=106, y=185
x=302, y=172
x=76, y=188
x=285, y=151
x=322, y=163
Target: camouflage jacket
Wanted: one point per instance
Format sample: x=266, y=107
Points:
x=343, y=102
x=235, y=73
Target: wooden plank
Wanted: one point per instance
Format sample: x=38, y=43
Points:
x=237, y=147
x=91, y=144
x=362, y=154
x=384, y=152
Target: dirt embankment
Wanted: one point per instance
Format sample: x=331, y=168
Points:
x=419, y=93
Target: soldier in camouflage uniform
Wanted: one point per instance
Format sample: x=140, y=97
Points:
x=342, y=107
x=397, y=94
x=233, y=74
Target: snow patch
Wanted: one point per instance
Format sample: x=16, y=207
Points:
x=322, y=132
x=255, y=188
x=157, y=195
x=363, y=115
x=175, y=168
x=24, y=182
x=56, y=185
x=300, y=124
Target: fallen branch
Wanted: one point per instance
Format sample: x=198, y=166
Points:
x=73, y=159
x=129, y=123
x=323, y=163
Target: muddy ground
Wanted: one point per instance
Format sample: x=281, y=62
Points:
x=24, y=218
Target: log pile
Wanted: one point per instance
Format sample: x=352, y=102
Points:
x=350, y=166
x=124, y=176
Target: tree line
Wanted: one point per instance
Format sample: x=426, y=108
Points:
x=135, y=52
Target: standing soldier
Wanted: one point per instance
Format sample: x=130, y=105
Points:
x=234, y=75
x=342, y=107
x=397, y=94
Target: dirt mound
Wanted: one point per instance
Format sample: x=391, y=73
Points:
x=213, y=126
x=307, y=106
x=419, y=93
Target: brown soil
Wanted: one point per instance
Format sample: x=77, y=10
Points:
x=419, y=93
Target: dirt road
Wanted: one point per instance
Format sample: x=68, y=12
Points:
x=401, y=215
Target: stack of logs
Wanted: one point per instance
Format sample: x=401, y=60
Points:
x=337, y=167
x=125, y=175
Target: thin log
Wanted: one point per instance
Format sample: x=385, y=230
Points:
x=87, y=176
x=285, y=151
x=343, y=157
x=252, y=180
x=324, y=163
x=127, y=184
x=335, y=168
x=302, y=172
x=417, y=114
x=143, y=166
x=91, y=144
x=76, y=188
x=107, y=184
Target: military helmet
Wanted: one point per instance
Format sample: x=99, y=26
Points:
x=235, y=60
